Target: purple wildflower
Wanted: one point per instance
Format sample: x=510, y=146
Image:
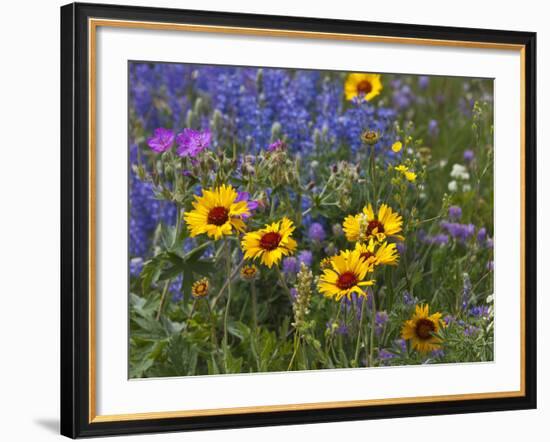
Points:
x=251, y=204
x=136, y=265
x=449, y=319
x=490, y=265
x=401, y=344
x=489, y=243
x=192, y=142
x=433, y=128
x=455, y=212
x=294, y=293
x=161, y=140
x=385, y=356
x=338, y=327
x=317, y=232
x=401, y=247
x=423, y=81
x=276, y=145
x=479, y=311
x=305, y=257
x=291, y=265
x=460, y=232
x=439, y=353
x=408, y=299
x=481, y=235
x=469, y=155
x=380, y=321
x=471, y=330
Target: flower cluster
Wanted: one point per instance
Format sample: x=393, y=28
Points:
x=291, y=219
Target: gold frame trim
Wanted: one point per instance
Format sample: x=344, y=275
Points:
x=93, y=24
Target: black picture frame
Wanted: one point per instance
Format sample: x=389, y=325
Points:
x=75, y=194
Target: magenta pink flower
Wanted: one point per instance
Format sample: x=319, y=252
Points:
x=161, y=140
x=276, y=145
x=192, y=142
x=252, y=205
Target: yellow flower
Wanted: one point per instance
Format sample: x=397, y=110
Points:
x=325, y=263
x=347, y=276
x=362, y=85
x=420, y=329
x=409, y=175
x=200, y=288
x=397, y=146
x=249, y=272
x=378, y=253
x=271, y=243
x=366, y=225
x=216, y=212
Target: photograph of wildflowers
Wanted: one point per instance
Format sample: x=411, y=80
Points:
x=286, y=219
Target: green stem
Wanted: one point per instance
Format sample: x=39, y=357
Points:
x=226, y=283
x=296, y=347
x=162, y=298
x=372, y=330
x=254, y=305
x=213, y=336
x=193, y=307
x=226, y=314
x=283, y=283
x=359, y=332
x=372, y=174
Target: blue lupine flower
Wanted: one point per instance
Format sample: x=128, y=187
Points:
x=482, y=236
x=291, y=265
x=479, y=311
x=460, y=232
x=305, y=257
x=317, y=232
x=455, y=212
x=136, y=265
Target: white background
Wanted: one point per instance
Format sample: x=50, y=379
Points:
x=29, y=238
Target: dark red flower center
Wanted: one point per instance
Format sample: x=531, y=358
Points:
x=346, y=280
x=218, y=216
x=424, y=328
x=366, y=255
x=270, y=241
x=375, y=224
x=364, y=87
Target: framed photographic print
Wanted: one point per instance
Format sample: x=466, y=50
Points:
x=278, y=220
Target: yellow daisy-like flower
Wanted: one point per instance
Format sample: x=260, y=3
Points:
x=200, y=288
x=325, y=263
x=420, y=329
x=378, y=253
x=249, y=272
x=362, y=85
x=271, y=243
x=217, y=212
x=366, y=225
x=347, y=276
x=397, y=146
x=408, y=174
